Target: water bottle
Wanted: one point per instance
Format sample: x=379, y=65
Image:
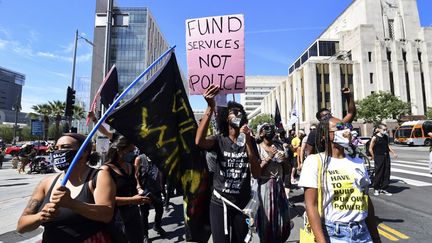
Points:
x=241, y=139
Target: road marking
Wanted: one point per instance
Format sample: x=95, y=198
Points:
x=411, y=181
x=387, y=235
x=410, y=166
x=411, y=172
x=393, y=231
x=409, y=162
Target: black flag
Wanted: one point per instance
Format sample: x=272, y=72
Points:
x=110, y=88
x=160, y=121
x=278, y=118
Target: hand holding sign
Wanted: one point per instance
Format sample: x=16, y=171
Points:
x=209, y=95
x=215, y=53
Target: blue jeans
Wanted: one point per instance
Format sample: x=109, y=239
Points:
x=355, y=232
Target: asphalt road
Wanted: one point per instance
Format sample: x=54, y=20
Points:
x=406, y=216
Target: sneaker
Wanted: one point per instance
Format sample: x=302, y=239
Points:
x=376, y=192
x=146, y=239
x=386, y=193
x=159, y=230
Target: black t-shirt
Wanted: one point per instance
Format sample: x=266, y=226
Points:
x=381, y=146
x=232, y=175
x=311, y=138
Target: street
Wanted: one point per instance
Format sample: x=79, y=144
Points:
x=406, y=216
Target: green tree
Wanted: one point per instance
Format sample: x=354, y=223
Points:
x=78, y=112
x=380, y=106
x=253, y=124
x=57, y=111
x=429, y=113
x=42, y=111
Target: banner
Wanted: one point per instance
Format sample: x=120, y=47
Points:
x=215, y=53
x=160, y=121
x=278, y=118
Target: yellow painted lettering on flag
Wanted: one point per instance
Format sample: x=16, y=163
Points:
x=145, y=130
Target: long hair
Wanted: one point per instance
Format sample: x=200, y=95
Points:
x=222, y=116
x=119, y=144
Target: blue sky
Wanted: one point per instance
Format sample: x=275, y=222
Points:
x=36, y=37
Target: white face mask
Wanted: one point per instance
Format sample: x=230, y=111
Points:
x=342, y=139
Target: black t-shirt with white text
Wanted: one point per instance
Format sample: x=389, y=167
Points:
x=232, y=175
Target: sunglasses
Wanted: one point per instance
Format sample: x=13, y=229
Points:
x=342, y=126
x=234, y=111
x=267, y=128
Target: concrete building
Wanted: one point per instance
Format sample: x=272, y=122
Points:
x=11, y=84
x=374, y=45
x=257, y=87
x=135, y=43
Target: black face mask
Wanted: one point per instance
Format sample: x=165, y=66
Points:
x=269, y=135
x=62, y=159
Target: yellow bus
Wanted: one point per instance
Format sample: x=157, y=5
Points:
x=414, y=133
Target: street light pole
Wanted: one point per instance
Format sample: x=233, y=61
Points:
x=74, y=59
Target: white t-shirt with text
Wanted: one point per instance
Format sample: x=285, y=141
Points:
x=345, y=196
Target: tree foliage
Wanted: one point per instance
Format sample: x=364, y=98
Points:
x=380, y=106
x=429, y=113
x=253, y=124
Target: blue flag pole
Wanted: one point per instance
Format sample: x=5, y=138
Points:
x=107, y=112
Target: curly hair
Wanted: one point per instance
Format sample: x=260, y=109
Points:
x=223, y=113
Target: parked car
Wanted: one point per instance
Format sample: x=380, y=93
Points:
x=13, y=150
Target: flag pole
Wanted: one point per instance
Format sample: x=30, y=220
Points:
x=107, y=112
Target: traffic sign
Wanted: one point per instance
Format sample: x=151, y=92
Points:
x=37, y=128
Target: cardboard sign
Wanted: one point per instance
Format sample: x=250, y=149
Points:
x=215, y=53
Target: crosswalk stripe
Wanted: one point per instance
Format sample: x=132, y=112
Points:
x=393, y=231
x=387, y=235
x=409, y=162
x=410, y=166
x=411, y=181
x=411, y=172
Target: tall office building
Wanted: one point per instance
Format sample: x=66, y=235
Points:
x=257, y=87
x=374, y=45
x=135, y=42
x=11, y=84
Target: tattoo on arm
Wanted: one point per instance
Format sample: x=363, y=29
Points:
x=32, y=207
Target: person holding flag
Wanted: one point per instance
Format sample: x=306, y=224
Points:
x=234, y=166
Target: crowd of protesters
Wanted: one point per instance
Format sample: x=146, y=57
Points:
x=112, y=203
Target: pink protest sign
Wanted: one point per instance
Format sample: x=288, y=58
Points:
x=215, y=53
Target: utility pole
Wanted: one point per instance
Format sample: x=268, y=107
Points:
x=74, y=60
x=17, y=108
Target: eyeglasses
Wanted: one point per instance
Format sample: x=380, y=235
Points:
x=342, y=126
x=234, y=111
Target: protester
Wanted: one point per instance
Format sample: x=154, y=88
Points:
x=379, y=149
x=234, y=166
x=355, y=140
x=303, y=152
x=325, y=114
x=347, y=211
x=26, y=154
x=127, y=198
x=296, y=146
x=78, y=212
x=430, y=155
x=149, y=185
x=273, y=220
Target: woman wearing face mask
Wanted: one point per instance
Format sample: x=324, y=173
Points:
x=234, y=166
x=78, y=212
x=379, y=149
x=347, y=211
x=127, y=198
x=273, y=220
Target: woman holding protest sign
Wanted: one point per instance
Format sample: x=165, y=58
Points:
x=336, y=188
x=235, y=162
x=76, y=213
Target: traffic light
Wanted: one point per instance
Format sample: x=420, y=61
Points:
x=70, y=101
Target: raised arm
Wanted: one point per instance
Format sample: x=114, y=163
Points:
x=352, y=111
x=371, y=146
x=200, y=139
x=101, y=129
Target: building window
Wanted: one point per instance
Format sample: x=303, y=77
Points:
x=371, y=78
x=370, y=56
x=391, y=28
x=388, y=55
x=404, y=54
x=391, y=83
x=419, y=55
x=423, y=93
x=407, y=87
x=323, y=85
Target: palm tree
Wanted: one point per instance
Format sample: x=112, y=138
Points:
x=78, y=112
x=57, y=111
x=44, y=111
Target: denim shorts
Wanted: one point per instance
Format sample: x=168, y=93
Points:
x=355, y=232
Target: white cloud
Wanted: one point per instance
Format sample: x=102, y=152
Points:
x=3, y=43
x=52, y=90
